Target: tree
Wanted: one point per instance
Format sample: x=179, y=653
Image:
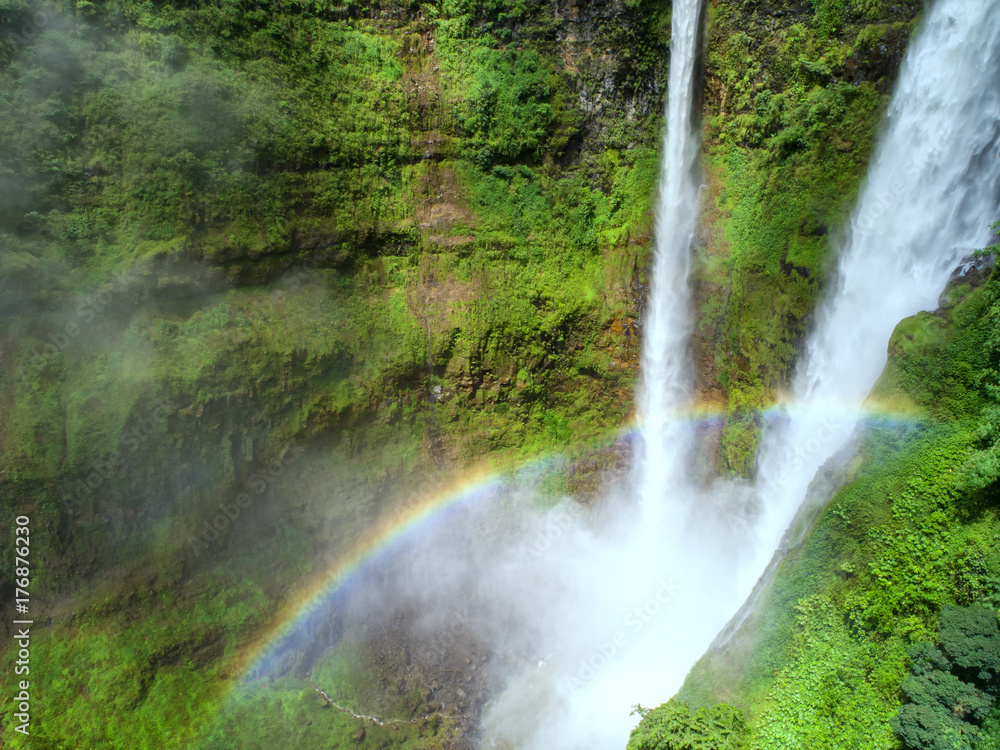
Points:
x=951, y=688
x=970, y=637
x=930, y=728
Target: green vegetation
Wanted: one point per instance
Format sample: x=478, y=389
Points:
x=303, y=258
x=291, y=713
x=881, y=627
x=310, y=255
x=673, y=727
x=944, y=710
x=983, y=468
x=791, y=121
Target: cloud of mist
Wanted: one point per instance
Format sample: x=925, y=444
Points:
x=102, y=120
x=584, y=611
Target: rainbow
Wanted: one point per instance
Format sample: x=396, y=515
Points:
x=464, y=490
x=478, y=486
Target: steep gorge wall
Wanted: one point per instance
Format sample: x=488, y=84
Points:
x=268, y=272
x=291, y=223
x=490, y=248
x=322, y=255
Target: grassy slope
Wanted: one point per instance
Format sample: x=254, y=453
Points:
x=821, y=661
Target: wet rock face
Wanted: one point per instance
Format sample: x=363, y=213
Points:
x=614, y=61
x=971, y=273
x=618, y=69
x=579, y=20
x=614, y=58
x=878, y=57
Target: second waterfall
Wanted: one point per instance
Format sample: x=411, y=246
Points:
x=666, y=371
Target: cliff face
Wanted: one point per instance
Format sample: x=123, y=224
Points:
x=290, y=223
x=794, y=95
x=271, y=272
x=828, y=656
x=304, y=261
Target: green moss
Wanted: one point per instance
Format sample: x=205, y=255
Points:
x=292, y=225
x=788, y=138
x=291, y=713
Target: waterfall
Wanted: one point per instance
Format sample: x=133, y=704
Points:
x=931, y=194
x=665, y=365
x=607, y=606
x=618, y=613
x=589, y=612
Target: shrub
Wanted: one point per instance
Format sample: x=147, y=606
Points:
x=672, y=726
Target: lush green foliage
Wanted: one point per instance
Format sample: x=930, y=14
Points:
x=983, y=468
x=970, y=638
x=905, y=550
x=402, y=237
x=945, y=691
x=791, y=122
x=231, y=234
x=672, y=726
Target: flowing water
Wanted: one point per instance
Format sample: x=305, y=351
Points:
x=666, y=367
x=931, y=193
x=609, y=599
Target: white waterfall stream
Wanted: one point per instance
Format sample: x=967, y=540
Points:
x=666, y=369
x=932, y=192
x=624, y=614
